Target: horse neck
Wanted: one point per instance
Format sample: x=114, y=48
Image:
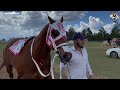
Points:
x=40, y=48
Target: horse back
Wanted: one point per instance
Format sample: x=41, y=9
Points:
x=17, y=61
x=6, y=53
x=10, y=43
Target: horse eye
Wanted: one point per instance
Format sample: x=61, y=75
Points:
x=55, y=33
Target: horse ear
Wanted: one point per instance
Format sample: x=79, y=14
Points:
x=51, y=20
x=61, y=19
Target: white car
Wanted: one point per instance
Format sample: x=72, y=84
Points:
x=113, y=52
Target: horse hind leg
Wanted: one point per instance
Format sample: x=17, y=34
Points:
x=9, y=70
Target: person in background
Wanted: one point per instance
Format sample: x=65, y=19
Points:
x=109, y=41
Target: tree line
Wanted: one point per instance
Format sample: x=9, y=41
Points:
x=100, y=36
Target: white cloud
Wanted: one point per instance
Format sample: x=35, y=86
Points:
x=95, y=24
x=71, y=15
x=67, y=27
x=27, y=23
x=108, y=27
x=76, y=27
x=83, y=26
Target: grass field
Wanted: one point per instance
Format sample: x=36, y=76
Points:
x=2, y=45
x=103, y=66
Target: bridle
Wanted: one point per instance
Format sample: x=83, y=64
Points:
x=38, y=68
x=52, y=43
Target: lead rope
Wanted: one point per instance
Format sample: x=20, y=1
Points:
x=38, y=68
x=51, y=69
x=64, y=66
x=61, y=66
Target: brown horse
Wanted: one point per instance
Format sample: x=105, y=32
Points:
x=34, y=61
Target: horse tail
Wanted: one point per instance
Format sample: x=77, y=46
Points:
x=2, y=65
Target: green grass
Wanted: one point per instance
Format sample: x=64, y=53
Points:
x=102, y=65
x=2, y=45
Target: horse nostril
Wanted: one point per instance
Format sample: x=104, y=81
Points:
x=57, y=52
x=70, y=55
x=64, y=56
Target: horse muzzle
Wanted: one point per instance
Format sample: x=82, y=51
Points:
x=64, y=53
x=65, y=57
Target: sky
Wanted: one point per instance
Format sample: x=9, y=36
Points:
x=29, y=23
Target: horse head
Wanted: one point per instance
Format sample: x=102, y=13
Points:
x=56, y=39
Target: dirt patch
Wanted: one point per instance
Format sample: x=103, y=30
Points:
x=4, y=74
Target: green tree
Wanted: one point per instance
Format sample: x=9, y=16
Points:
x=94, y=37
x=70, y=33
x=84, y=32
x=102, y=34
x=115, y=32
x=89, y=34
x=3, y=39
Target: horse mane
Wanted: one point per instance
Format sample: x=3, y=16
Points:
x=41, y=37
x=41, y=51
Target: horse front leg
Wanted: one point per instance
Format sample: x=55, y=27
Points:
x=36, y=75
x=27, y=76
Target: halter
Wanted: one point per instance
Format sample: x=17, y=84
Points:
x=50, y=41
